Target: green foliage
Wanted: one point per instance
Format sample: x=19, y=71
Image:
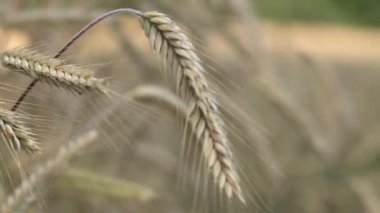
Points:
x=339, y=11
x=361, y=12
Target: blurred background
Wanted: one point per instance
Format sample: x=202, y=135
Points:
x=297, y=79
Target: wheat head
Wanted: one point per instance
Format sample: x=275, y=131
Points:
x=14, y=133
x=53, y=71
x=178, y=53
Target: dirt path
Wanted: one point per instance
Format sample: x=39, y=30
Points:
x=336, y=42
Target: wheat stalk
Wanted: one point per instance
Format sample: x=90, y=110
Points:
x=173, y=46
x=52, y=71
x=14, y=133
x=65, y=152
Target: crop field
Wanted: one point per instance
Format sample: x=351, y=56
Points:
x=188, y=106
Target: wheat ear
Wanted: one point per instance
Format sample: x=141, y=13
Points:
x=14, y=133
x=160, y=98
x=52, y=70
x=65, y=152
x=173, y=46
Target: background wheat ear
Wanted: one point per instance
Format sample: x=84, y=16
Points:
x=64, y=153
x=15, y=134
x=52, y=71
x=160, y=98
x=178, y=53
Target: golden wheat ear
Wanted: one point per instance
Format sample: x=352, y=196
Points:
x=178, y=53
x=14, y=133
x=52, y=71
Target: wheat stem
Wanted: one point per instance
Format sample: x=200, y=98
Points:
x=23, y=95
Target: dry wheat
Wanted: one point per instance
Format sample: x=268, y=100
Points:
x=168, y=41
x=14, y=133
x=53, y=71
x=64, y=153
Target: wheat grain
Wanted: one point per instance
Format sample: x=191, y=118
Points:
x=53, y=71
x=64, y=153
x=15, y=134
x=168, y=41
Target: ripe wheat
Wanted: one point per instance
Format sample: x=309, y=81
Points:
x=53, y=71
x=15, y=134
x=178, y=53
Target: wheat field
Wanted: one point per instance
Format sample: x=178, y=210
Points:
x=145, y=106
